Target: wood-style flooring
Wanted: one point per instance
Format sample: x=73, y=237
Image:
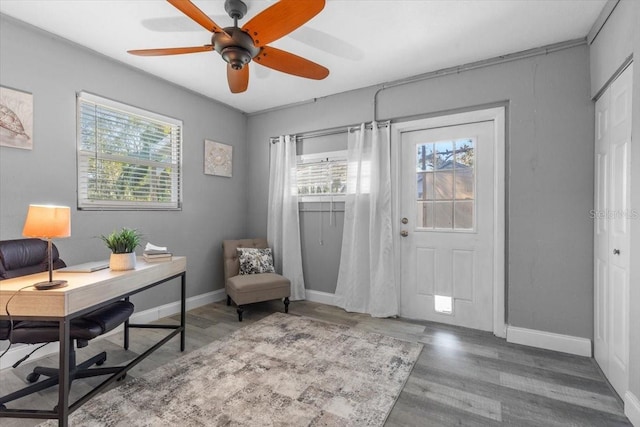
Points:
x=463, y=377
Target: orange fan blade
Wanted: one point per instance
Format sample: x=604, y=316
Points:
x=281, y=19
x=291, y=64
x=170, y=50
x=238, y=79
x=192, y=11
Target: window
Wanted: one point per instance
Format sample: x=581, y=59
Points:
x=445, y=183
x=128, y=158
x=322, y=176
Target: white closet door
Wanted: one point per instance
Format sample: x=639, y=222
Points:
x=612, y=238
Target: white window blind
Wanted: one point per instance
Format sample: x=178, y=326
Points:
x=322, y=175
x=128, y=158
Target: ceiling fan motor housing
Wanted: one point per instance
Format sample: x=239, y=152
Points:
x=235, y=46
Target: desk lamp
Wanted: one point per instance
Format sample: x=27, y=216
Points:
x=47, y=222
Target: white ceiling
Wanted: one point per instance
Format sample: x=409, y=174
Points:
x=363, y=43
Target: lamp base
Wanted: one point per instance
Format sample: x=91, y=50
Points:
x=50, y=285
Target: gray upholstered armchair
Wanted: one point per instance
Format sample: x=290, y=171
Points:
x=250, y=288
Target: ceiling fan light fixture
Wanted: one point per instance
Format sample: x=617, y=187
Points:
x=235, y=46
x=236, y=56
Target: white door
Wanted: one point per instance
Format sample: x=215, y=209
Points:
x=448, y=214
x=612, y=239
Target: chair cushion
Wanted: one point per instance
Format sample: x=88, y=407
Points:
x=85, y=328
x=35, y=332
x=111, y=316
x=250, y=288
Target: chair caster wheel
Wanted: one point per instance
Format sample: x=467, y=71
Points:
x=101, y=362
x=33, y=377
x=122, y=377
x=2, y=407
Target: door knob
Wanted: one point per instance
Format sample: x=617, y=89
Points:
x=404, y=220
x=616, y=251
x=404, y=233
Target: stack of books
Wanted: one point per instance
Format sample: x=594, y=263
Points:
x=157, y=255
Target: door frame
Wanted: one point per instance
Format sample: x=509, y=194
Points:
x=497, y=115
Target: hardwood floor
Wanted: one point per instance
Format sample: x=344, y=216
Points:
x=463, y=377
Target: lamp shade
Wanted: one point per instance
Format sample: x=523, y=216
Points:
x=47, y=221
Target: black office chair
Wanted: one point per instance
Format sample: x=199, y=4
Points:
x=26, y=256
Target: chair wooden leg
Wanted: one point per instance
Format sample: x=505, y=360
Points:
x=228, y=300
x=240, y=310
x=286, y=304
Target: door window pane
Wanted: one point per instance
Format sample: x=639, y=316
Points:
x=464, y=152
x=463, y=214
x=464, y=184
x=444, y=185
x=444, y=215
x=444, y=155
x=424, y=157
x=424, y=217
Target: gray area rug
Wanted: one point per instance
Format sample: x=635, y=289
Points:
x=283, y=370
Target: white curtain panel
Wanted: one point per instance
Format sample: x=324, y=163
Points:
x=366, y=279
x=283, y=224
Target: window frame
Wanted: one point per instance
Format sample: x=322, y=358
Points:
x=83, y=157
x=326, y=156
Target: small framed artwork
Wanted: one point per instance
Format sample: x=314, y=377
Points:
x=218, y=158
x=16, y=118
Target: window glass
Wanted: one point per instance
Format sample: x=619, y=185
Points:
x=322, y=175
x=445, y=185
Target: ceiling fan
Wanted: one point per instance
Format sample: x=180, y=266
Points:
x=239, y=46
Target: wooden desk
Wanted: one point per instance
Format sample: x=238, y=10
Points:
x=86, y=292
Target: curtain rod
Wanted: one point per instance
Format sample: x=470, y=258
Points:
x=330, y=131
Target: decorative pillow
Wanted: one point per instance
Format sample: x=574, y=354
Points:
x=255, y=261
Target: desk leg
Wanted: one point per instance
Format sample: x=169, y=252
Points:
x=126, y=330
x=63, y=387
x=183, y=307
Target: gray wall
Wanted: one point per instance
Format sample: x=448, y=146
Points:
x=550, y=177
x=53, y=70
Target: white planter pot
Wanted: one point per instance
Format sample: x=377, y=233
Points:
x=122, y=262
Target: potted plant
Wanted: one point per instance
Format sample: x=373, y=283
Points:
x=122, y=244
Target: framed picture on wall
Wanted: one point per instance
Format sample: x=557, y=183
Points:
x=218, y=158
x=16, y=118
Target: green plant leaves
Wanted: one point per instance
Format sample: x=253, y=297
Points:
x=122, y=242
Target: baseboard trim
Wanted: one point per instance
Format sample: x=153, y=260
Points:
x=172, y=308
x=19, y=351
x=549, y=340
x=632, y=408
x=319, y=296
